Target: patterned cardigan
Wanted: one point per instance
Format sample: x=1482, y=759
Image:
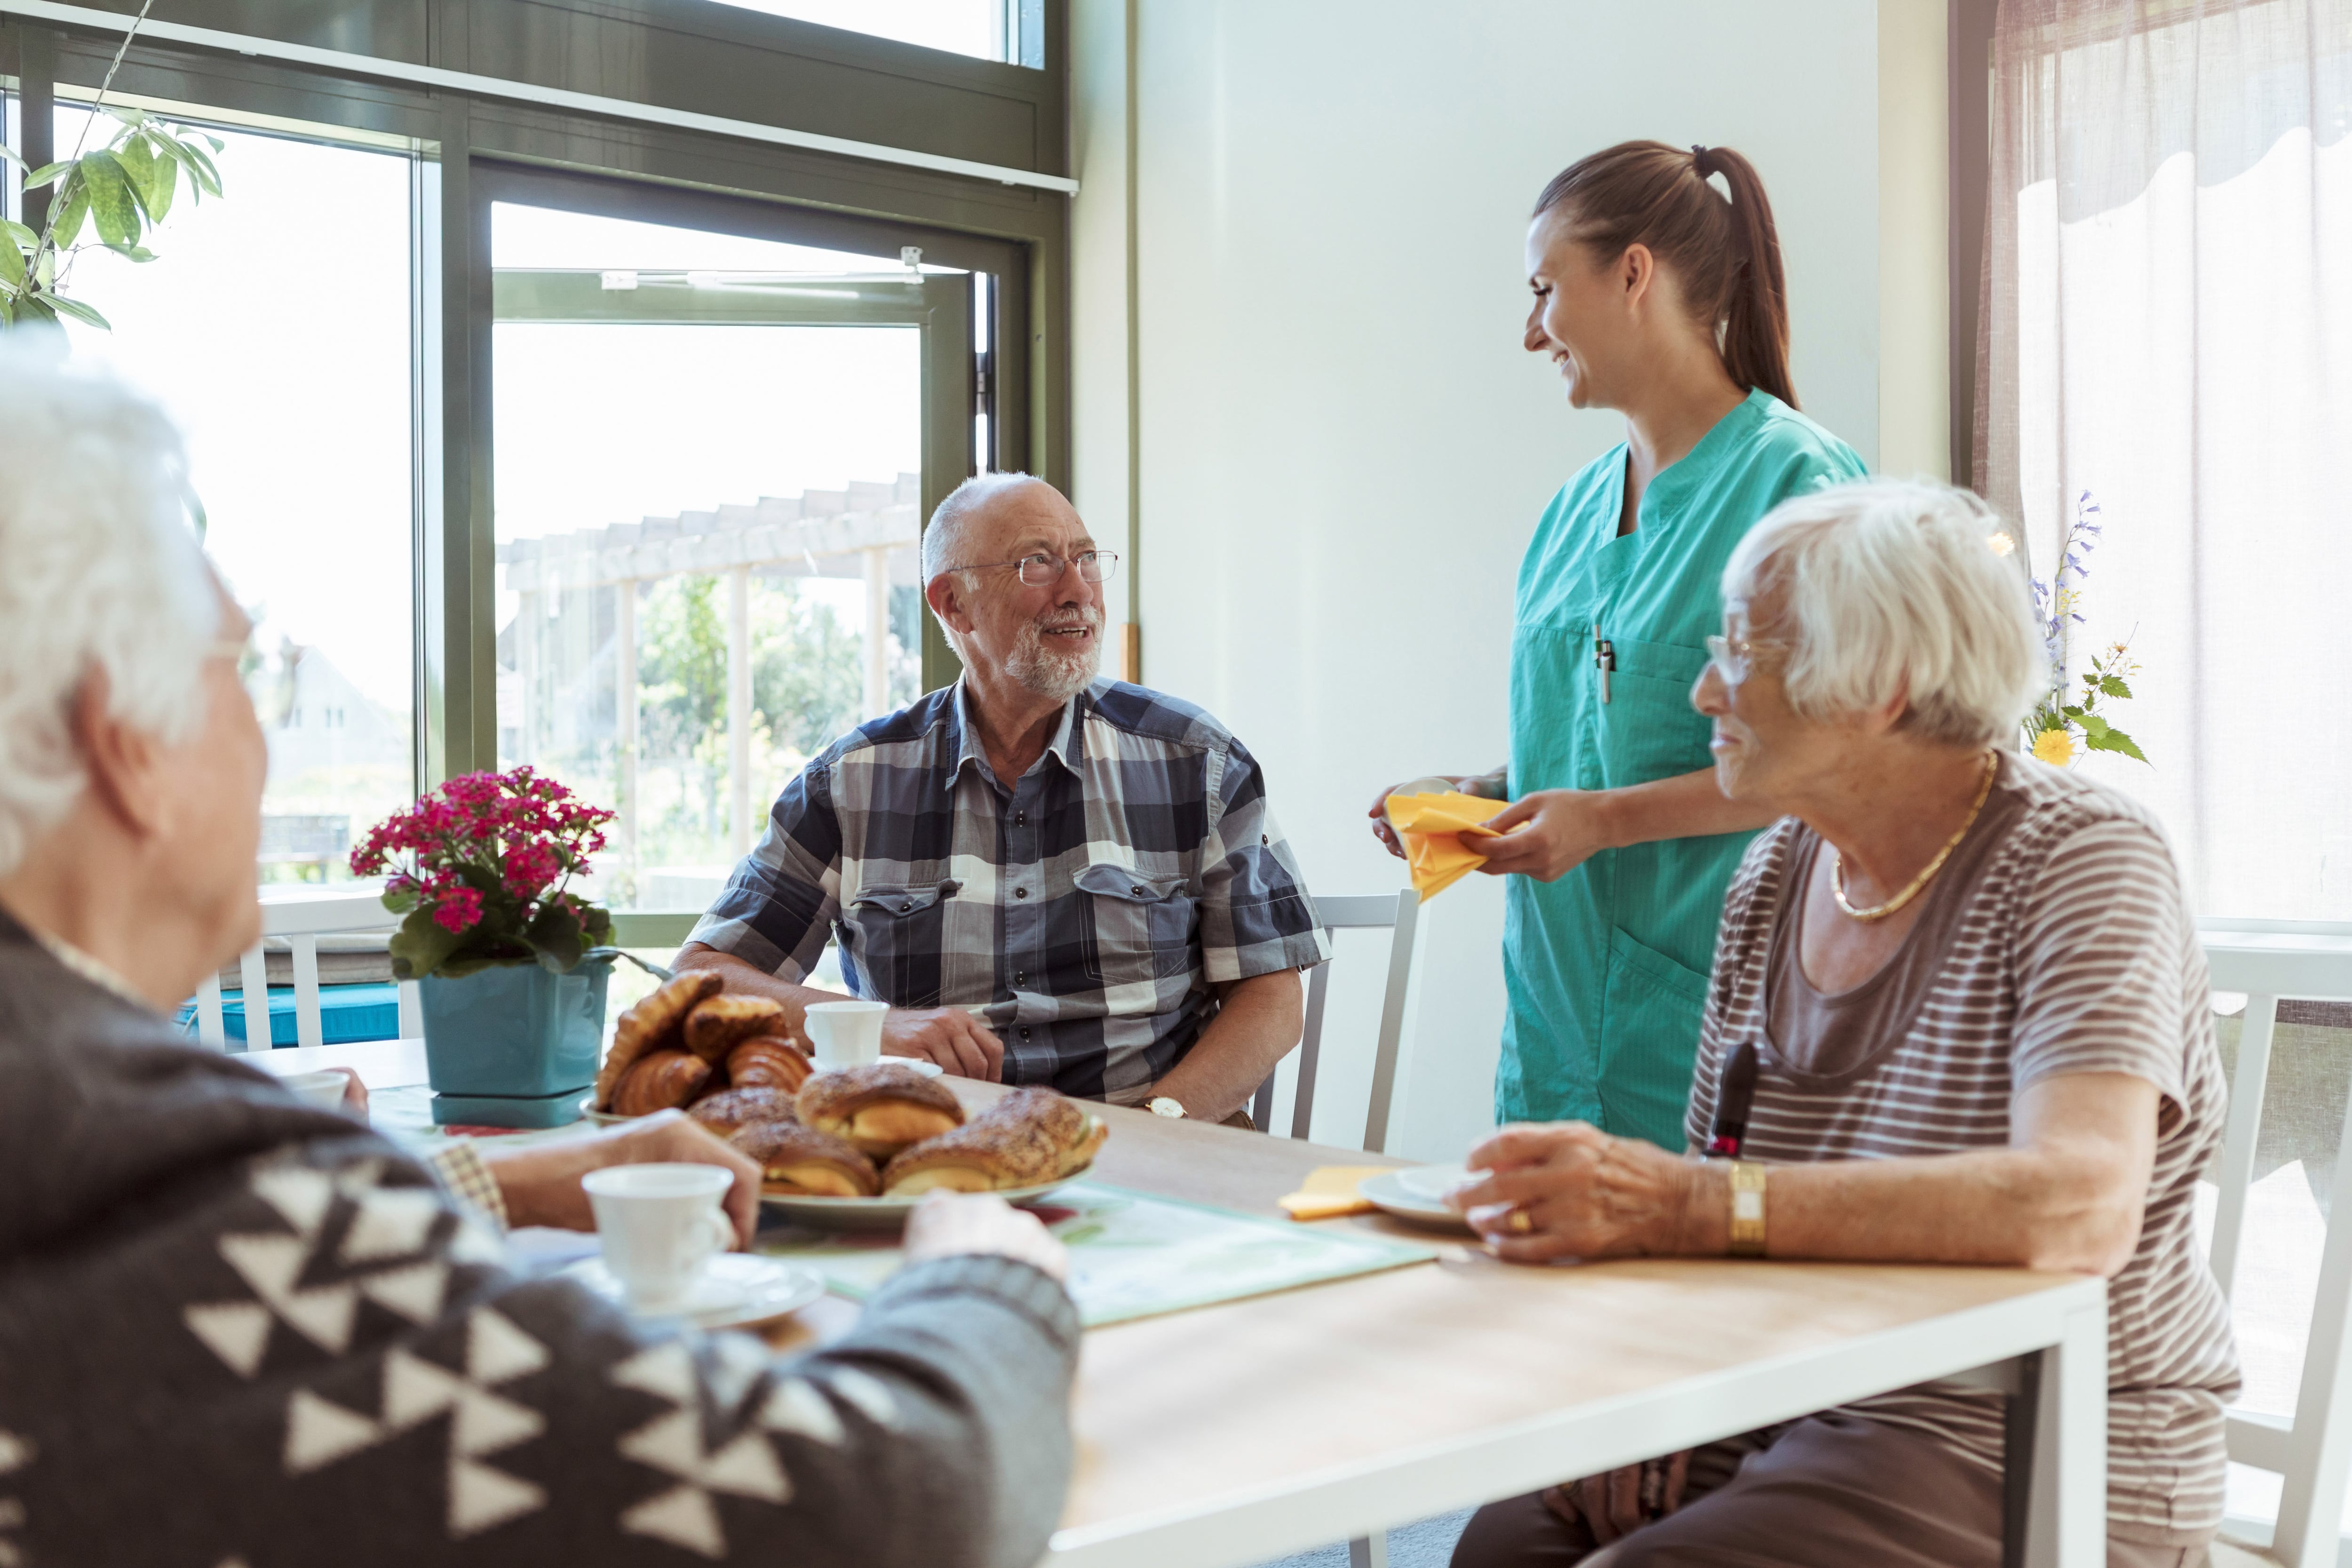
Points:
x=236, y=1332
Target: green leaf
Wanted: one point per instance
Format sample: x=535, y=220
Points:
x=2092, y=725
x=596, y=924
x=8, y=155
x=399, y=901
x=558, y=937
x=133, y=117
x=132, y=252
x=115, y=201
x=149, y=175
x=43, y=174
x=77, y=310
x=2114, y=687
x=12, y=265
x=36, y=306
x=420, y=946
x=2074, y=713
x=27, y=240
x=2110, y=739
x=200, y=167
x=65, y=227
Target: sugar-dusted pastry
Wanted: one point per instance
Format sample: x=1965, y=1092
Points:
x=659, y=1080
x=730, y=1108
x=1029, y=1137
x=768, y=1061
x=881, y=1106
x=716, y=1025
x=650, y=1026
x=805, y=1163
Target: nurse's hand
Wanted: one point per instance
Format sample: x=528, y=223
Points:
x=1473, y=783
x=1546, y=834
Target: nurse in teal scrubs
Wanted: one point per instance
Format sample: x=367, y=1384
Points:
x=1660, y=297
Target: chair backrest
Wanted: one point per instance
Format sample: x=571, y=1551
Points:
x=1400, y=914
x=2313, y=1451
x=300, y=915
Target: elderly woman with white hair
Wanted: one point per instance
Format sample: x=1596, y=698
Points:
x=236, y=1328
x=1959, y=1016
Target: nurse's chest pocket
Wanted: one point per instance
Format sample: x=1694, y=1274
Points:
x=895, y=934
x=1648, y=728
x=1136, y=928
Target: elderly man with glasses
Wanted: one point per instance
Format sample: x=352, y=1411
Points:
x=1050, y=878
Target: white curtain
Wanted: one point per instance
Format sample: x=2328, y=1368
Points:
x=2168, y=325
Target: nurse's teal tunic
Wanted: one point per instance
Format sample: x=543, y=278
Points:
x=1607, y=967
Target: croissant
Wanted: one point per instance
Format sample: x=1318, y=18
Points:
x=732, y=1108
x=881, y=1106
x=768, y=1061
x=802, y=1162
x=1029, y=1137
x=651, y=1025
x=717, y=1023
x=660, y=1080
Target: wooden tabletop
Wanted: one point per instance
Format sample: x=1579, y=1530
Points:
x=1183, y=1415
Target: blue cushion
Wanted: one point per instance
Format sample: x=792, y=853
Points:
x=346, y=1014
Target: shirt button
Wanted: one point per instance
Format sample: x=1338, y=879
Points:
x=1020, y=892
x=1137, y=891
x=905, y=907
x=1019, y=977
x=1020, y=819
x=1025, y=1034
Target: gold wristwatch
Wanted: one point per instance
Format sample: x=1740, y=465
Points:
x=1747, y=1209
x=1165, y=1105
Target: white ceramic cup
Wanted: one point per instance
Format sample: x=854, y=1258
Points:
x=660, y=1225
x=846, y=1033
x=323, y=1088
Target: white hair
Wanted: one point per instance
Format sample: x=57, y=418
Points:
x=1888, y=587
x=99, y=569
x=947, y=541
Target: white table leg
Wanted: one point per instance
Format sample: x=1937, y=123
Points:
x=253, y=984
x=2067, y=1525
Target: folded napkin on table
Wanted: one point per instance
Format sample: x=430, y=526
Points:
x=1330, y=1191
x=1435, y=828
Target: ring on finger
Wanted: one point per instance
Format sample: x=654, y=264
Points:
x=1519, y=1223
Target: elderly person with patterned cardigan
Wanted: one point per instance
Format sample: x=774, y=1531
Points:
x=236, y=1330
x=1959, y=1016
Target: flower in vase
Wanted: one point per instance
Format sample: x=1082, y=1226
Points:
x=2054, y=746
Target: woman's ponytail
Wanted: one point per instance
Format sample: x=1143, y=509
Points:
x=1726, y=256
x=1756, y=298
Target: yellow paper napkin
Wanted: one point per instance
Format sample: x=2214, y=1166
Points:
x=1330, y=1191
x=1435, y=828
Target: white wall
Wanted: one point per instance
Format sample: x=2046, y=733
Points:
x=1339, y=448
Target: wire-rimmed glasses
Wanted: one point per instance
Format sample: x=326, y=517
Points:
x=1040, y=569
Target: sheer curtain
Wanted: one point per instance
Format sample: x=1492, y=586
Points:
x=2167, y=326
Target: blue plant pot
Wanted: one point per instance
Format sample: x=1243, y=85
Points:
x=517, y=1031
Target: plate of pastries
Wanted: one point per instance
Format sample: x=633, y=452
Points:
x=686, y=1042
x=862, y=1146
x=842, y=1148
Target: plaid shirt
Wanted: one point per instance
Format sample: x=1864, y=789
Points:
x=1089, y=906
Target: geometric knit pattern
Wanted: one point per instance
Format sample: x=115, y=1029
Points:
x=377, y=1259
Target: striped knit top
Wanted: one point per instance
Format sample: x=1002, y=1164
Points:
x=2075, y=952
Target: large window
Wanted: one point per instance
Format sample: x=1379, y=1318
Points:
x=275, y=326
x=709, y=463
x=986, y=29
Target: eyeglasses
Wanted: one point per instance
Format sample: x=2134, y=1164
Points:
x=1043, y=570
x=1733, y=658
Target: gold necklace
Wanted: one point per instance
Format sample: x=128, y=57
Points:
x=1928, y=873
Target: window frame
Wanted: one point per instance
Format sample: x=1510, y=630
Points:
x=683, y=54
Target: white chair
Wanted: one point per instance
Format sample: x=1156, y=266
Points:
x=2312, y=1451
x=300, y=915
x=1399, y=913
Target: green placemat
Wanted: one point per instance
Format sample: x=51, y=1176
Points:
x=1134, y=1255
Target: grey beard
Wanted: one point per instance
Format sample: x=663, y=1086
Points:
x=1058, y=677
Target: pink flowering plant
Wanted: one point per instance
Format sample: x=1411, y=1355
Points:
x=480, y=867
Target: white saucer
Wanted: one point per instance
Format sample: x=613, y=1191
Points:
x=1394, y=1191
x=736, y=1287
x=923, y=1065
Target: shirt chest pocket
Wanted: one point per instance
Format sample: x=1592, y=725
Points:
x=893, y=937
x=1648, y=728
x=1136, y=928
